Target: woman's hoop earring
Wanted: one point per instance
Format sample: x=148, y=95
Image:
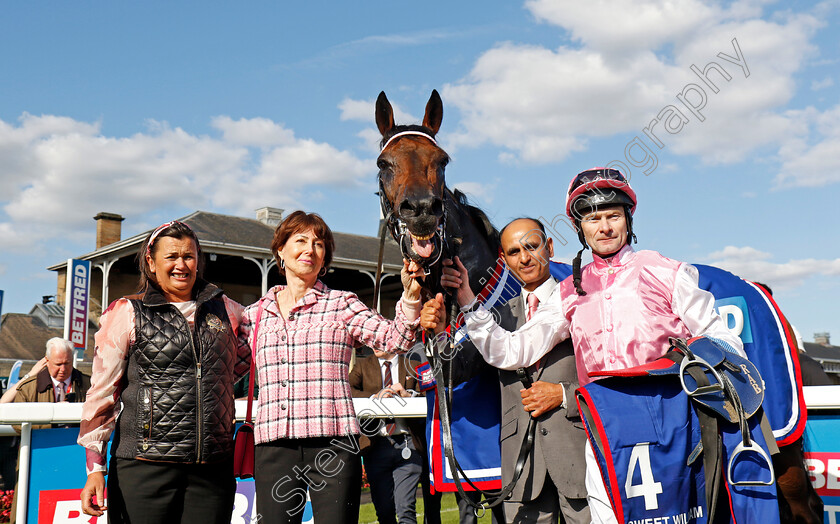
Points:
x=282, y=264
x=322, y=272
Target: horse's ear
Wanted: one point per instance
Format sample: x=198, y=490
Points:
x=384, y=114
x=434, y=112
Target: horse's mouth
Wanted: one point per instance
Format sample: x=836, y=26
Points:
x=422, y=247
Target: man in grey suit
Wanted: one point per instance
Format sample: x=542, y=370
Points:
x=552, y=482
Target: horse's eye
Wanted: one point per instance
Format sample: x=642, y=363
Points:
x=444, y=163
x=382, y=165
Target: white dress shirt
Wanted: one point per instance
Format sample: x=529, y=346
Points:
x=543, y=292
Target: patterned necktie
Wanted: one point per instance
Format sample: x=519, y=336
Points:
x=387, y=381
x=533, y=304
x=59, y=392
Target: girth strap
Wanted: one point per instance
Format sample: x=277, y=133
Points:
x=712, y=453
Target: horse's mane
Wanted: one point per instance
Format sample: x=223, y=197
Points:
x=405, y=127
x=479, y=219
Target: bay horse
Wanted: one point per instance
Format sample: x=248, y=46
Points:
x=430, y=222
x=427, y=219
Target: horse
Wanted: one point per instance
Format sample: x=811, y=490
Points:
x=427, y=219
x=430, y=222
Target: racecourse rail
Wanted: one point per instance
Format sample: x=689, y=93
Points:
x=818, y=399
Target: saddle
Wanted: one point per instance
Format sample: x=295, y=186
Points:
x=722, y=386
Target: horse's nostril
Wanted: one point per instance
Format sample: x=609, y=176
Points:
x=407, y=209
x=421, y=207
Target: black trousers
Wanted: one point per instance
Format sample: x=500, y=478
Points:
x=329, y=467
x=141, y=492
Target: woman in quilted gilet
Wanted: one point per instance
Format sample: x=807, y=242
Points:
x=170, y=355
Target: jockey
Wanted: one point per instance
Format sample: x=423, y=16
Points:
x=620, y=310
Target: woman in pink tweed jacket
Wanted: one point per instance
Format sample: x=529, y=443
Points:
x=306, y=429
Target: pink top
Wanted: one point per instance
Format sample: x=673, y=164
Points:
x=303, y=361
x=635, y=301
x=114, y=338
x=627, y=315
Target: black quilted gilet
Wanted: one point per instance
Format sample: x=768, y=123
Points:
x=175, y=410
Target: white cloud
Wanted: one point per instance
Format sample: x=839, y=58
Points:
x=58, y=173
x=356, y=110
x=810, y=158
x=631, y=61
x=370, y=138
x=748, y=111
x=364, y=111
x=625, y=26
x=826, y=82
x=252, y=132
x=755, y=265
x=545, y=104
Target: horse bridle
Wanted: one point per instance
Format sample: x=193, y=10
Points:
x=398, y=230
x=397, y=226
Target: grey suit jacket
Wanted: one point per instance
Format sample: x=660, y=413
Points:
x=560, y=438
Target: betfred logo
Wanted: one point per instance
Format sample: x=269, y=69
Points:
x=64, y=506
x=824, y=472
x=735, y=313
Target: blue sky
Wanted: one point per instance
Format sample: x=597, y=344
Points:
x=153, y=111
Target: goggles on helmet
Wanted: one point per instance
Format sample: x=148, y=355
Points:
x=594, y=175
x=599, y=185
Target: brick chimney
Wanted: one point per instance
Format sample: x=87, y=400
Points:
x=822, y=338
x=270, y=216
x=108, y=229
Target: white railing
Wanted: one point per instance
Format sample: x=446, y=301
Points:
x=26, y=414
x=817, y=398
x=66, y=413
x=822, y=397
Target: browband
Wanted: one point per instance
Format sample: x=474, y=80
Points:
x=403, y=133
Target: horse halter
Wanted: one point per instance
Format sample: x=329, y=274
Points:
x=397, y=225
x=404, y=133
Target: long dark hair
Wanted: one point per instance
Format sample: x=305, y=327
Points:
x=172, y=229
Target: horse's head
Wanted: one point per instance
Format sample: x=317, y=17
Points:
x=411, y=180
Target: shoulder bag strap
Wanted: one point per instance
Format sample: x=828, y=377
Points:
x=254, y=334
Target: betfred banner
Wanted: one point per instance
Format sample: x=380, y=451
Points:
x=76, y=303
x=822, y=459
